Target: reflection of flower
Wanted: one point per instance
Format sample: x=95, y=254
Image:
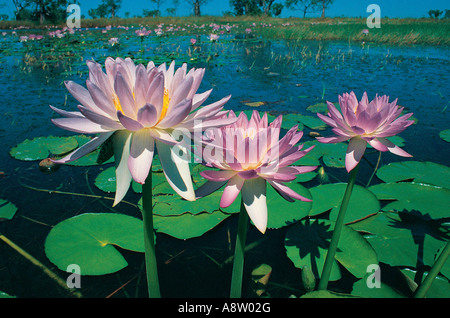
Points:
x=249, y=153
x=140, y=107
x=363, y=122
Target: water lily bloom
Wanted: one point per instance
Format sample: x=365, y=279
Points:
x=365, y=123
x=248, y=154
x=140, y=108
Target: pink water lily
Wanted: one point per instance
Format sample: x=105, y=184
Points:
x=140, y=108
x=365, y=123
x=248, y=154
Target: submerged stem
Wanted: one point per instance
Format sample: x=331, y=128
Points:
x=239, y=253
x=37, y=263
x=426, y=284
x=323, y=284
x=149, y=240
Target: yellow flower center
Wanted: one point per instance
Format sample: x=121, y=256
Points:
x=166, y=102
x=117, y=104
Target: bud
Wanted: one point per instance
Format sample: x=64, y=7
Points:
x=308, y=278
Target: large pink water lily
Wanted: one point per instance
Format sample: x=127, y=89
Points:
x=248, y=154
x=140, y=107
x=365, y=123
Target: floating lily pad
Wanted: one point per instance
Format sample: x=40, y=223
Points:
x=42, y=147
x=329, y=197
x=282, y=212
x=290, y=120
x=333, y=155
x=187, y=225
x=307, y=243
x=326, y=294
x=361, y=289
x=88, y=240
x=312, y=122
x=427, y=199
x=7, y=210
x=318, y=108
x=445, y=135
x=421, y=172
x=403, y=239
x=440, y=288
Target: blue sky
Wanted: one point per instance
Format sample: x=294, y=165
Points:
x=347, y=8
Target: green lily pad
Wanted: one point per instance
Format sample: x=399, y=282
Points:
x=42, y=147
x=427, y=199
x=440, y=288
x=326, y=294
x=329, y=197
x=314, y=123
x=421, y=172
x=88, y=241
x=187, y=225
x=307, y=243
x=333, y=155
x=361, y=289
x=282, y=212
x=318, y=108
x=403, y=239
x=7, y=210
x=290, y=120
x=445, y=135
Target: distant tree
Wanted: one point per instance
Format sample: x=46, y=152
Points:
x=255, y=7
x=277, y=8
x=196, y=6
x=435, y=13
x=171, y=12
x=151, y=13
x=305, y=6
x=158, y=4
x=324, y=4
x=447, y=14
x=40, y=10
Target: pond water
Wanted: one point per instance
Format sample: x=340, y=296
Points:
x=286, y=76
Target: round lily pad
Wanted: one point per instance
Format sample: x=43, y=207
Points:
x=445, y=135
x=405, y=238
x=7, y=210
x=88, y=241
x=307, y=243
x=188, y=225
x=417, y=171
x=329, y=197
x=409, y=196
x=42, y=147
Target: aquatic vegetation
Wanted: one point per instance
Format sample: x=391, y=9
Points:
x=396, y=217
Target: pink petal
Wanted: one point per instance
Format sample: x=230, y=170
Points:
x=231, y=191
x=207, y=188
x=254, y=199
x=218, y=175
x=148, y=115
x=286, y=191
x=129, y=123
x=85, y=149
x=79, y=125
x=355, y=151
x=394, y=148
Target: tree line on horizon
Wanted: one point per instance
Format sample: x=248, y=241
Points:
x=54, y=11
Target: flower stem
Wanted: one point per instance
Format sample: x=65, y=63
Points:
x=239, y=252
x=326, y=271
x=426, y=284
x=149, y=240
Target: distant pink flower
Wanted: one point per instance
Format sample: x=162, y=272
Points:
x=365, y=123
x=113, y=41
x=365, y=31
x=213, y=37
x=143, y=32
x=139, y=108
x=248, y=30
x=249, y=153
x=193, y=41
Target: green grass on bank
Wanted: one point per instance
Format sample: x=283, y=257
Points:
x=392, y=31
